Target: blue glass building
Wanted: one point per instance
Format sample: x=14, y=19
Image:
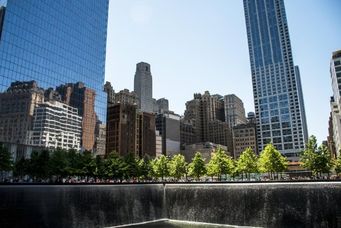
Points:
x=54, y=43
x=276, y=84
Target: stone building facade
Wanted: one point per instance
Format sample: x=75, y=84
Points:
x=234, y=110
x=244, y=136
x=82, y=98
x=206, y=115
x=55, y=125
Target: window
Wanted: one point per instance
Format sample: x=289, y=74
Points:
x=338, y=75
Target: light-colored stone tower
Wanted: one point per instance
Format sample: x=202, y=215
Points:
x=234, y=110
x=143, y=87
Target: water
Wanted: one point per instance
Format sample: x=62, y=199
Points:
x=263, y=205
x=175, y=224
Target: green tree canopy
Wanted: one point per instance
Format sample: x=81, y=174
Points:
x=219, y=164
x=74, y=163
x=316, y=158
x=247, y=162
x=309, y=155
x=177, y=166
x=39, y=164
x=161, y=166
x=58, y=163
x=131, y=169
x=271, y=160
x=114, y=166
x=338, y=164
x=6, y=162
x=197, y=166
x=100, y=168
x=88, y=164
x=323, y=162
x=21, y=167
x=143, y=168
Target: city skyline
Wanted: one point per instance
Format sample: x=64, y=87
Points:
x=174, y=51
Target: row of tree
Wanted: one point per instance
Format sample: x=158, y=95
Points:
x=58, y=164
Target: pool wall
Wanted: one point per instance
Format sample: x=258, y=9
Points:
x=261, y=204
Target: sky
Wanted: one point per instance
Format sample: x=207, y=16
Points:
x=195, y=46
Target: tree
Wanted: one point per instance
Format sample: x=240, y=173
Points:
x=160, y=166
x=100, y=169
x=235, y=171
x=21, y=167
x=143, y=168
x=131, y=169
x=338, y=165
x=74, y=163
x=316, y=158
x=151, y=172
x=309, y=155
x=114, y=166
x=177, y=166
x=219, y=164
x=6, y=163
x=88, y=164
x=39, y=165
x=58, y=163
x=247, y=162
x=323, y=162
x=211, y=169
x=271, y=161
x=197, y=166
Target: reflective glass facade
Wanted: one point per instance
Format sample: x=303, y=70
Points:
x=54, y=43
x=277, y=89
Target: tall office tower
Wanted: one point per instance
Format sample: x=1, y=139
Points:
x=121, y=97
x=143, y=87
x=168, y=125
x=234, y=110
x=146, y=134
x=251, y=117
x=301, y=100
x=206, y=113
x=125, y=97
x=162, y=105
x=335, y=101
x=122, y=130
x=330, y=137
x=276, y=87
x=54, y=43
x=187, y=134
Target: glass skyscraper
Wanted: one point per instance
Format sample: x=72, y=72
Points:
x=57, y=44
x=276, y=84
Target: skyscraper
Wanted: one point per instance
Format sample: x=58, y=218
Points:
x=234, y=110
x=335, y=101
x=276, y=86
x=168, y=125
x=206, y=115
x=143, y=87
x=54, y=43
